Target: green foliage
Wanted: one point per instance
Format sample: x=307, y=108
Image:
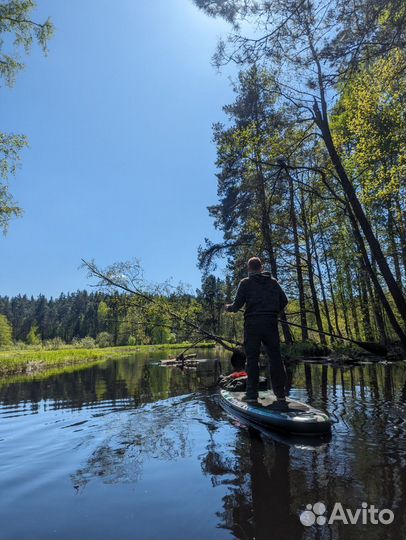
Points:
x=370, y=127
x=33, y=337
x=6, y=332
x=84, y=343
x=102, y=316
x=54, y=343
x=16, y=22
x=18, y=32
x=104, y=339
x=10, y=148
x=162, y=334
x=212, y=298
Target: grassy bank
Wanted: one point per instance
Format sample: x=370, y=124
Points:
x=33, y=360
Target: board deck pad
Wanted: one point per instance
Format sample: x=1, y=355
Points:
x=298, y=417
x=267, y=399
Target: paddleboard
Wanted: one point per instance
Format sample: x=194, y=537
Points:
x=297, y=418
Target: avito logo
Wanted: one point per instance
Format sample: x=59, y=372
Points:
x=314, y=514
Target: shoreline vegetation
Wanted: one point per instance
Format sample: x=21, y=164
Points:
x=39, y=360
x=35, y=359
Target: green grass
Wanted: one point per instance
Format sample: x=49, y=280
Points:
x=46, y=372
x=34, y=360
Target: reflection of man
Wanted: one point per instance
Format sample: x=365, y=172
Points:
x=263, y=298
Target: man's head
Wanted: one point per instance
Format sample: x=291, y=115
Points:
x=255, y=265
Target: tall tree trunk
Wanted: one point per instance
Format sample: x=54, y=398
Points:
x=376, y=305
x=393, y=248
x=344, y=311
x=115, y=309
x=315, y=300
x=363, y=295
x=401, y=221
x=299, y=273
x=352, y=302
x=377, y=286
x=320, y=276
x=340, y=293
x=329, y=278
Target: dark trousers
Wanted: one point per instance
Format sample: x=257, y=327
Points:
x=263, y=329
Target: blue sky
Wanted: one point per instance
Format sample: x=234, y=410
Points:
x=121, y=159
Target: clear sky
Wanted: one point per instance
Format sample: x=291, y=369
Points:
x=121, y=159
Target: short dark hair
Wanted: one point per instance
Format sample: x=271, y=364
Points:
x=255, y=264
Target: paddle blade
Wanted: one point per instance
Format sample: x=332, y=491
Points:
x=373, y=348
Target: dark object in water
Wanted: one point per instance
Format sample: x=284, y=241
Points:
x=186, y=361
x=238, y=359
x=298, y=418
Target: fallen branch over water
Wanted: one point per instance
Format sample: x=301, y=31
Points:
x=127, y=283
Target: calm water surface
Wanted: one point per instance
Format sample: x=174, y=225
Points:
x=131, y=450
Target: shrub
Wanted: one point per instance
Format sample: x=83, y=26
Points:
x=132, y=340
x=104, y=339
x=5, y=332
x=84, y=343
x=20, y=345
x=54, y=343
x=33, y=337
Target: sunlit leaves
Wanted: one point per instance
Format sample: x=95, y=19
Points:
x=18, y=31
x=370, y=127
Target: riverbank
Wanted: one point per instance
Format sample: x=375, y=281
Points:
x=35, y=360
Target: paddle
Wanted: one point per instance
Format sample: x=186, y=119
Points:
x=374, y=348
x=371, y=347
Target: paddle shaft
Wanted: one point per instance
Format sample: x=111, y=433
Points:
x=366, y=346
x=375, y=348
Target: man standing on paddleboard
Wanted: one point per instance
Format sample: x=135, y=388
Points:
x=264, y=299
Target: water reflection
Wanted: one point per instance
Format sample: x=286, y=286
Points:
x=129, y=441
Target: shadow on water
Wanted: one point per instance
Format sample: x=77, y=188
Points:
x=132, y=450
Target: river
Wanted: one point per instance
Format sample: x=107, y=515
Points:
x=128, y=449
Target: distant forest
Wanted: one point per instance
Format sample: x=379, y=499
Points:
x=107, y=319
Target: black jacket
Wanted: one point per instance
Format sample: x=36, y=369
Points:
x=261, y=294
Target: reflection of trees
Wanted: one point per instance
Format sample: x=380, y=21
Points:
x=258, y=501
x=153, y=432
x=131, y=380
x=366, y=458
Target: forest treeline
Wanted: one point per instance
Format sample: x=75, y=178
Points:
x=90, y=319
x=312, y=159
